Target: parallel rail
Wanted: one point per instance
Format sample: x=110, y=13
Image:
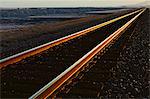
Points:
x=52, y=86
x=17, y=57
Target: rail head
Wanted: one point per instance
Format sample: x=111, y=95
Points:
x=17, y=57
x=52, y=86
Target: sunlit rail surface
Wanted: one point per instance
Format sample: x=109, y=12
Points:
x=56, y=62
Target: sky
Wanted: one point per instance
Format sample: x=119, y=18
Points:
x=66, y=3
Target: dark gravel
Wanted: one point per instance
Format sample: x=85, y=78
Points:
x=133, y=63
x=122, y=72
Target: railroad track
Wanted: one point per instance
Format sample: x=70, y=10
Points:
x=103, y=77
x=32, y=73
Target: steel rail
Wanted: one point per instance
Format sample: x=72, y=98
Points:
x=17, y=57
x=52, y=86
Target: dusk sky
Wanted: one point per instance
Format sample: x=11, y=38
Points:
x=67, y=3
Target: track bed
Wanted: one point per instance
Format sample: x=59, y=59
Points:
x=24, y=78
